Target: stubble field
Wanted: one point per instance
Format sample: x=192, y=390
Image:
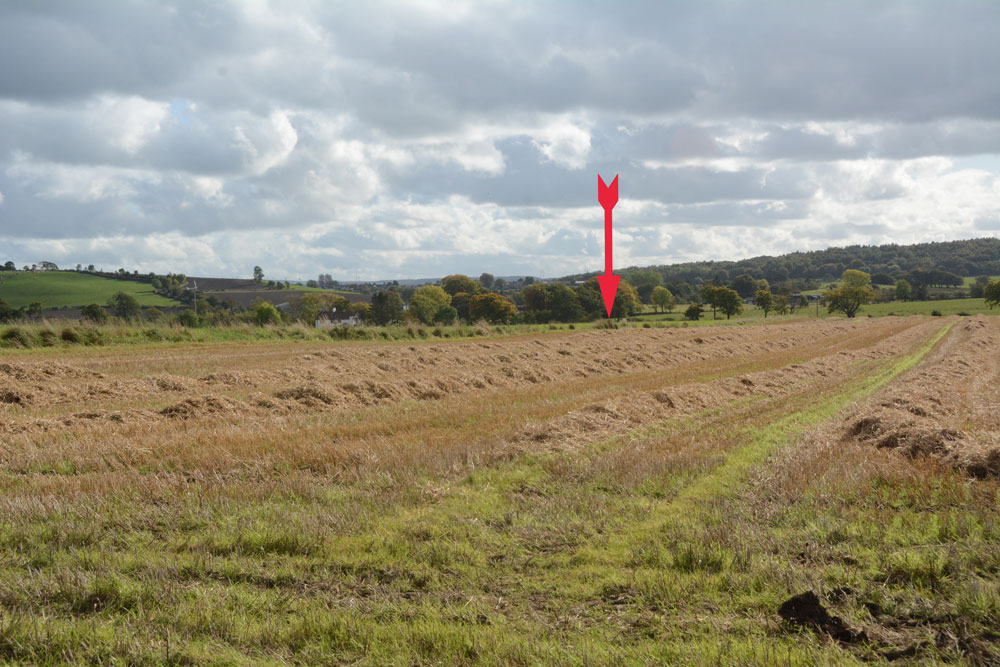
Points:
x=601, y=497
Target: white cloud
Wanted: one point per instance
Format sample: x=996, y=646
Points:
x=417, y=139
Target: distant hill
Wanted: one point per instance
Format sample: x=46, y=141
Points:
x=58, y=289
x=974, y=257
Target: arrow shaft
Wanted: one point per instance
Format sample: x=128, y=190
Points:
x=608, y=263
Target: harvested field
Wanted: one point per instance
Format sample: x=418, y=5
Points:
x=603, y=497
x=949, y=409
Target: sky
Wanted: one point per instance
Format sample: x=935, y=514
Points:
x=380, y=140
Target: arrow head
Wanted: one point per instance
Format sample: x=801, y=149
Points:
x=607, y=194
x=609, y=288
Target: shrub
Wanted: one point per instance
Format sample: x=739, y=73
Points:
x=935, y=313
x=92, y=337
x=94, y=313
x=16, y=337
x=48, y=337
x=964, y=314
x=69, y=335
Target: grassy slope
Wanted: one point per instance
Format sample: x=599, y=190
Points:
x=583, y=558
x=55, y=289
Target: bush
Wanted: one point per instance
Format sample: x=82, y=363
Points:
x=48, y=337
x=16, y=337
x=92, y=337
x=935, y=313
x=964, y=314
x=188, y=318
x=94, y=313
x=69, y=335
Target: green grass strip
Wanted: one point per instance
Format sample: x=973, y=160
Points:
x=765, y=441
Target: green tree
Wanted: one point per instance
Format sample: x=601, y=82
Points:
x=124, y=306
x=662, y=298
x=712, y=297
x=446, y=315
x=729, y=301
x=626, y=300
x=764, y=301
x=854, y=292
x=487, y=281
x=493, y=308
x=427, y=301
x=94, y=313
x=387, y=307
x=258, y=274
x=460, y=302
x=645, y=281
x=745, y=285
x=992, y=294
x=903, y=290
x=693, y=312
x=781, y=304
x=311, y=304
x=456, y=283
x=153, y=314
x=9, y=266
x=265, y=313
x=7, y=314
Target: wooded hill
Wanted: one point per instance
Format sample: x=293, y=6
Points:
x=974, y=257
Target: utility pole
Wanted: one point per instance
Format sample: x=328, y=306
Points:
x=194, y=290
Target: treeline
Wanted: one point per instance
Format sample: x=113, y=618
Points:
x=961, y=258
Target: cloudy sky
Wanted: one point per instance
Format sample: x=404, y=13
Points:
x=387, y=140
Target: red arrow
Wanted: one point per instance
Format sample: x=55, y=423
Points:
x=608, y=196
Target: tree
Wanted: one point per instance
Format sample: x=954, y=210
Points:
x=387, y=307
x=781, y=305
x=745, y=285
x=460, y=302
x=311, y=304
x=34, y=310
x=712, y=295
x=662, y=298
x=265, y=313
x=854, y=292
x=9, y=266
x=312, y=283
x=446, y=315
x=693, y=312
x=977, y=291
x=427, y=301
x=124, y=306
x=7, y=314
x=992, y=294
x=487, y=280
x=499, y=284
x=492, y=307
x=765, y=301
x=645, y=281
x=90, y=268
x=456, y=283
x=258, y=274
x=553, y=301
x=729, y=301
x=94, y=313
x=626, y=300
x=153, y=314
x=903, y=290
